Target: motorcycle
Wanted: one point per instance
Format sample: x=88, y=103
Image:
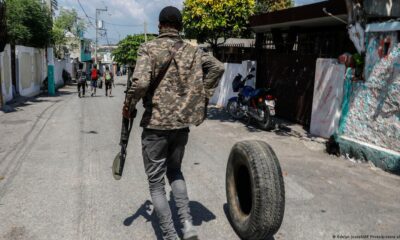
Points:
x=257, y=104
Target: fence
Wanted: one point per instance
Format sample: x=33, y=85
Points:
x=5, y=74
x=286, y=63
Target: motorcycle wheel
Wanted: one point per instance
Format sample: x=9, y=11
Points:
x=234, y=110
x=268, y=123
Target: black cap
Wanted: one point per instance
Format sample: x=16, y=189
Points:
x=171, y=15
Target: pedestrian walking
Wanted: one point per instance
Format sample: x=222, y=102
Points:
x=175, y=80
x=94, y=76
x=81, y=80
x=108, y=80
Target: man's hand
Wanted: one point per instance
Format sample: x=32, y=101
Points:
x=127, y=112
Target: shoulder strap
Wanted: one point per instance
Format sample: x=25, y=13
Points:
x=156, y=81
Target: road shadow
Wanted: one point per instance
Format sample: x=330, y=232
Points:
x=20, y=102
x=199, y=213
x=216, y=113
x=220, y=114
x=146, y=211
x=226, y=211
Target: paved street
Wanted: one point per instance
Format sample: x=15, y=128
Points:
x=55, y=177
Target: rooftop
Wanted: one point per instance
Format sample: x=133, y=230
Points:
x=312, y=15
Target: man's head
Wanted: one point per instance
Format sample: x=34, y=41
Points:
x=94, y=65
x=171, y=17
x=107, y=68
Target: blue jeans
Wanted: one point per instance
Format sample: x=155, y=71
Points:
x=163, y=152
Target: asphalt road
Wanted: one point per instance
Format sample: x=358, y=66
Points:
x=55, y=178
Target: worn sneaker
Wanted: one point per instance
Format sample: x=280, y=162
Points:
x=189, y=231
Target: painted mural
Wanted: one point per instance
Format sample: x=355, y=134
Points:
x=371, y=110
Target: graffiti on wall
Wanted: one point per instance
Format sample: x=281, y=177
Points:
x=374, y=106
x=328, y=94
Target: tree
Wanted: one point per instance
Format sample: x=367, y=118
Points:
x=126, y=52
x=263, y=6
x=29, y=23
x=67, y=22
x=208, y=21
x=3, y=26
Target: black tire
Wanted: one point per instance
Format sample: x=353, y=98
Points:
x=268, y=123
x=255, y=190
x=234, y=115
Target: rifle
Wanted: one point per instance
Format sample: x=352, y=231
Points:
x=119, y=160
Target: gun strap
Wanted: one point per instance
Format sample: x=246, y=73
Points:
x=156, y=81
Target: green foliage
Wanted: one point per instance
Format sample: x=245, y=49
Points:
x=126, y=53
x=67, y=21
x=263, y=6
x=28, y=23
x=209, y=20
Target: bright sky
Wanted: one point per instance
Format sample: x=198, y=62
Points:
x=130, y=13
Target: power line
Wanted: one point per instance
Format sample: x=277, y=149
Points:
x=120, y=25
x=108, y=42
x=87, y=16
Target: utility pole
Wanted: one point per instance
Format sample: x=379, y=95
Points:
x=98, y=10
x=145, y=31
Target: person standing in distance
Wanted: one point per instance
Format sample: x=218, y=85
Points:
x=108, y=81
x=94, y=76
x=81, y=80
x=172, y=105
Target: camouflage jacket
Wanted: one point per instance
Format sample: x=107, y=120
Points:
x=180, y=99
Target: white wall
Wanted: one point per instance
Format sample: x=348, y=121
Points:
x=224, y=91
x=31, y=70
x=59, y=65
x=328, y=97
x=6, y=78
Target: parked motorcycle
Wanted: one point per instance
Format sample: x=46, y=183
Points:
x=257, y=104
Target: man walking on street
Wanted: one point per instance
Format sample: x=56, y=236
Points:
x=108, y=80
x=175, y=81
x=94, y=75
x=81, y=80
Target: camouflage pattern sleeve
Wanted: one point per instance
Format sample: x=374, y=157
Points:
x=141, y=77
x=212, y=73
